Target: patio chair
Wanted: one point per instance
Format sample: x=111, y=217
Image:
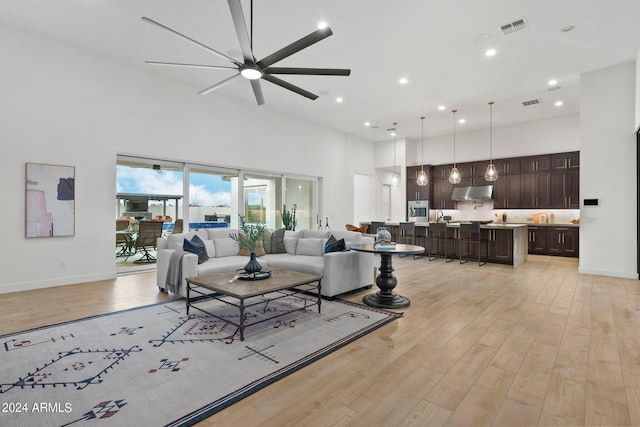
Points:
x=123, y=241
x=177, y=226
x=148, y=234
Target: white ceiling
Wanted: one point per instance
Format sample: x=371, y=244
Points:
x=438, y=45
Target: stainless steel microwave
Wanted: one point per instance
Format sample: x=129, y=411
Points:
x=418, y=211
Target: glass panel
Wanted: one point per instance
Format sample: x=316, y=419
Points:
x=263, y=199
x=213, y=198
x=301, y=196
x=148, y=190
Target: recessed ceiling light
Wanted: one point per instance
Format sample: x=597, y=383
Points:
x=403, y=80
x=442, y=107
x=490, y=52
x=393, y=134
x=462, y=121
x=339, y=99
x=322, y=25
x=367, y=124
x=553, y=82
x=558, y=104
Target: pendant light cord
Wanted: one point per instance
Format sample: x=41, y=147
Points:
x=454, y=137
x=491, y=132
x=422, y=160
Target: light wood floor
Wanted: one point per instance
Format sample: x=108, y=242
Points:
x=540, y=345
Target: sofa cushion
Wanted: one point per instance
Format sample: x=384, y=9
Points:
x=276, y=244
x=290, y=244
x=196, y=246
x=175, y=241
x=310, y=246
x=319, y=234
x=225, y=246
x=300, y=263
x=334, y=245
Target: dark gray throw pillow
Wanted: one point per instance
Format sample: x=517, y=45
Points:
x=277, y=241
x=334, y=245
x=196, y=246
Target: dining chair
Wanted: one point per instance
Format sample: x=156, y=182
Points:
x=123, y=241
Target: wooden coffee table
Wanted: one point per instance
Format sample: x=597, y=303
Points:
x=282, y=283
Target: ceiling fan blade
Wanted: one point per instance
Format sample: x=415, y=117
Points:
x=308, y=71
x=287, y=85
x=219, y=85
x=241, y=30
x=257, y=91
x=296, y=46
x=192, y=41
x=177, y=64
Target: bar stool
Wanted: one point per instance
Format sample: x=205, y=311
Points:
x=472, y=234
x=408, y=236
x=438, y=235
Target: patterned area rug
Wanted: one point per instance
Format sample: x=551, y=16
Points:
x=156, y=366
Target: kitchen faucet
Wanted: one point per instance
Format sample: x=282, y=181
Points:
x=439, y=215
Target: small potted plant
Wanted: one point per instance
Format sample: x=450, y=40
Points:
x=251, y=236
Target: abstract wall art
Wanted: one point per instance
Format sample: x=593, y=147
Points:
x=50, y=200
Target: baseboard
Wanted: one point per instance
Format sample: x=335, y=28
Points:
x=621, y=274
x=49, y=283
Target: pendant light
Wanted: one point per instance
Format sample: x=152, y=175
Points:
x=454, y=176
x=423, y=179
x=492, y=173
x=395, y=180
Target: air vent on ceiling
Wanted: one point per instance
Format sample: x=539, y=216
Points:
x=531, y=102
x=514, y=26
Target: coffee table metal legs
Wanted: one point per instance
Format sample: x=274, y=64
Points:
x=386, y=281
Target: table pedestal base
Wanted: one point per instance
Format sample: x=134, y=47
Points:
x=386, y=281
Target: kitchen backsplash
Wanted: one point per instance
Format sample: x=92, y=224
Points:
x=482, y=211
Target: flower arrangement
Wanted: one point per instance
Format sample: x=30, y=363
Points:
x=251, y=236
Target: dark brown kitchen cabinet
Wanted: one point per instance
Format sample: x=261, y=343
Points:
x=442, y=190
x=442, y=172
x=565, y=189
x=415, y=191
x=537, y=240
x=534, y=190
x=507, y=166
x=506, y=192
x=565, y=160
x=500, y=246
x=532, y=164
x=562, y=241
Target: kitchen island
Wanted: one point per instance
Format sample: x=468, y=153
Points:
x=508, y=243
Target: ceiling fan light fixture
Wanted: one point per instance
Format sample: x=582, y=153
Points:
x=250, y=73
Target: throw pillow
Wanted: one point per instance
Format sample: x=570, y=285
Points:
x=277, y=242
x=334, y=245
x=196, y=246
x=290, y=244
x=225, y=246
x=311, y=246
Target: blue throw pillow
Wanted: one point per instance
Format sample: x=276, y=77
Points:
x=334, y=245
x=196, y=246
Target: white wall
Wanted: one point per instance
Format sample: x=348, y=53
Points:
x=556, y=135
x=60, y=105
x=608, y=172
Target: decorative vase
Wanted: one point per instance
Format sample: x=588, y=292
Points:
x=253, y=266
x=383, y=235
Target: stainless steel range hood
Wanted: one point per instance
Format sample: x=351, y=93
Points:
x=479, y=192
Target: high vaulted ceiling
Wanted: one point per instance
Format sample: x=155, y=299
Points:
x=438, y=45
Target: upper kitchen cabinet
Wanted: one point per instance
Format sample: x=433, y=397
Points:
x=507, y=166
x=415, y=191
x=565, y=160
x=441, y=171
x=565, y=189
x=442, y=191
x=506, y=191
x=531, y=164
x=534, y=190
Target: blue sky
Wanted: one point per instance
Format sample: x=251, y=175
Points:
x=204, y=189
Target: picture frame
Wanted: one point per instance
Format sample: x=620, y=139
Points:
x=50, y=200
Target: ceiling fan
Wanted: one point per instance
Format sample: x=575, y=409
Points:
x=252, y=69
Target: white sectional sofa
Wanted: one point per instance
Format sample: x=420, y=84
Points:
x=341, y=271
